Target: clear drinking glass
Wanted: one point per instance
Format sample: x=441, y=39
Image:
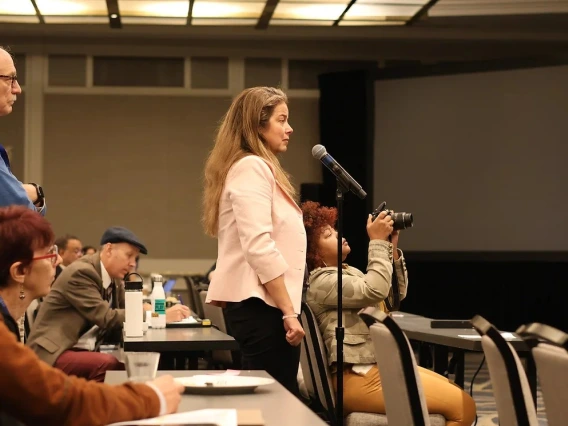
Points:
x=141, y=366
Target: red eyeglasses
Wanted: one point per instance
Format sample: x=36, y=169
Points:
x=52, y=254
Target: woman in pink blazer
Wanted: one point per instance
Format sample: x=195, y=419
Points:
x=249, y=205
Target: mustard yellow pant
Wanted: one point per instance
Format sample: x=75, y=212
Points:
x=365, y=394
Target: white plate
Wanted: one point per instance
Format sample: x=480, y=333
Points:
x=222, y=384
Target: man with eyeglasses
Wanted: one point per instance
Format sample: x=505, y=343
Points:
x=12, y=191
x=70, y=249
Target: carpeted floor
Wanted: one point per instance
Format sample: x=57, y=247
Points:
x=483, y=393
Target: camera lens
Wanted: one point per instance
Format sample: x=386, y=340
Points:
x=402, y=221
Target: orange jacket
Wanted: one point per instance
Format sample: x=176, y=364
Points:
x=38, y=394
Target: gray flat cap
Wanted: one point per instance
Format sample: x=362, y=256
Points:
x=118, y=234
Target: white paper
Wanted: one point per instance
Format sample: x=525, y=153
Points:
x=188, y=320
x=219, y=417
x=506, y=335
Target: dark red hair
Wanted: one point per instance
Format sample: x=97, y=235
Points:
x=22, y=231
x=316, y=217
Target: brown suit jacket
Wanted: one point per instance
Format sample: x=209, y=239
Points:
x=75, y=304
x=37, y=394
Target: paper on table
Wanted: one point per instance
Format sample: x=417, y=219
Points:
x=219, y=417
x=506, y=335
x=188, y=320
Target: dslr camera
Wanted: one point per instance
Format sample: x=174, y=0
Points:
x=401, y=220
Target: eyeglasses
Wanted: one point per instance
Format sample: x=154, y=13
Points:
x=52, y=254
x=13, y=78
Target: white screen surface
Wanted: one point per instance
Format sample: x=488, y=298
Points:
x=479, y=159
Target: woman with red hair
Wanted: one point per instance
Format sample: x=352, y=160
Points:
x=31, y=391
x=28, y=258
x=362, y=389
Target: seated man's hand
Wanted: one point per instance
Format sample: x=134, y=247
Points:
x=147, y=307
x=177, y=313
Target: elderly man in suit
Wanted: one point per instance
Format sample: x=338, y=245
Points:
x=86, y=305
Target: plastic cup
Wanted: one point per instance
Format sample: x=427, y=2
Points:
x=141, y=366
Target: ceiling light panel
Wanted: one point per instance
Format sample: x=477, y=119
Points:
x=309, y=11
x=224, y=22
x=227, y=9
x=396, y=2
x=380, y=12
x=150, y=20
x=497, y=7
x=154, y=8
x=75, y=19
x=370, y=23
x=301, y=22
x=16, y=7
x=72, y=7
x=19, y=19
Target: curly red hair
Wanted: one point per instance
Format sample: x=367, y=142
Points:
x=316, y=217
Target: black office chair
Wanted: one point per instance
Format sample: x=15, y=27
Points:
x=194, y=302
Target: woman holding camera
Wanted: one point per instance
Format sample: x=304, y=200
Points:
x=362, y=383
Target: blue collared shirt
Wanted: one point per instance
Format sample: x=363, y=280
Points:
x=12, y=191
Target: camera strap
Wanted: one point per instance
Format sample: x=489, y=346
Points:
x=393, y=299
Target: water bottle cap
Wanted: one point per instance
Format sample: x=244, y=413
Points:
x=133, y=285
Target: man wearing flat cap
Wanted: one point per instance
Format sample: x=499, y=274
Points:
x=86, y=305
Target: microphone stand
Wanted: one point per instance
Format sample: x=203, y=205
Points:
x=339, y=330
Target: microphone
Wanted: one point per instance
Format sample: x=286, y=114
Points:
x=319, y=153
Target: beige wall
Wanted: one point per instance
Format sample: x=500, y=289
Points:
x=137, y=161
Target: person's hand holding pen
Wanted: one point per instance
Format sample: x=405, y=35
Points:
x=177, y=313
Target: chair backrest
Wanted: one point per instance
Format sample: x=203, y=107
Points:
x=550, y=352
x=203, y=297
x=194, y=299
x=215, y=314
x=317, y=376
x=515, y=405
x=307, y=375
x=404, y=398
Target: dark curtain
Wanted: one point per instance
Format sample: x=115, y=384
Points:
x=346, y=130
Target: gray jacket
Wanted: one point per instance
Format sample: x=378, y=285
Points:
x=74, y=305
x=359, y=291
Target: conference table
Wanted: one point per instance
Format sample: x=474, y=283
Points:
x=443, y=340
x=278, y=406
x=180, y=343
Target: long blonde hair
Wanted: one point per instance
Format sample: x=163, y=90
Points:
x=239, y=136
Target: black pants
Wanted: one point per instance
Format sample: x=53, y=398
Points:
x=259, y=330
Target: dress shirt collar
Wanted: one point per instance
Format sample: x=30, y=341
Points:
x=107, y=280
